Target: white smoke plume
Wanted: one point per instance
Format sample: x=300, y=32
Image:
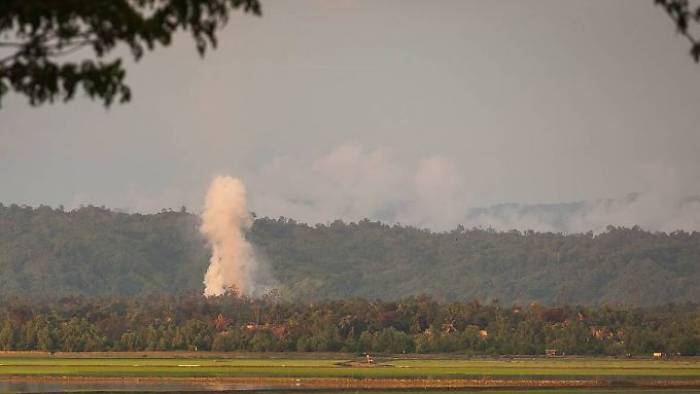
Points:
x=352, y=183
x=224, y=222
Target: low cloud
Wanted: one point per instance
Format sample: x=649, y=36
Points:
x=353, y=183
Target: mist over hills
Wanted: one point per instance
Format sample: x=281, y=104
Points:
x=353, y=182
x=46, y=252
x=651, y=211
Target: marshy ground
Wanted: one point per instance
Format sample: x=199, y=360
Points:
x=193, y=372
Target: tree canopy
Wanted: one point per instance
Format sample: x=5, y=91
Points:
x=40, y=40
x=411, y=325
x=46, y=252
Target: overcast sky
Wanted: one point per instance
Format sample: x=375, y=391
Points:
x=349, y=109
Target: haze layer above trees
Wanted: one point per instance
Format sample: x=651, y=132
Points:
x=91, y=251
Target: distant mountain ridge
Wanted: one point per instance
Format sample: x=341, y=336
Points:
x=46, y=252
x=654, y=212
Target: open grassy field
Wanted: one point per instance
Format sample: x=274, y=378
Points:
x=387, y=367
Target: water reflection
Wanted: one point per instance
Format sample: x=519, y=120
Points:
x=106, y=387
x=25, y=387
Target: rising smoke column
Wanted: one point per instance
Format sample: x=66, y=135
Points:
x=224, y=222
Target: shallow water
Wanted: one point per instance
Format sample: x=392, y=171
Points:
x=102, y=387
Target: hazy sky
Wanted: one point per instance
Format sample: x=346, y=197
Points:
x=349, y=108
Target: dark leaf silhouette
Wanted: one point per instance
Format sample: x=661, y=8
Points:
x=40, y=41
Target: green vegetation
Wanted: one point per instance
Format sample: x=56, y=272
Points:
x=46, y=253
x=412, y=325
x=308, y=368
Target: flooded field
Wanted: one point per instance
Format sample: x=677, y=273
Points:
x=132, y=387
x=182, y=388
x=189, y=374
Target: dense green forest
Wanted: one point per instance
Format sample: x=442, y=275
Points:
x=415, y=324
x=47, y=252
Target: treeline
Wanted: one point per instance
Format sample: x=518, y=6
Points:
x=415, y=324
x=96, y=252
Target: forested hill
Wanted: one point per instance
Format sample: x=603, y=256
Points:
x=47, y=252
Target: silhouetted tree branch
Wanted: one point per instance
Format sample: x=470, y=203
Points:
x=37, y=38
x=684, y=15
